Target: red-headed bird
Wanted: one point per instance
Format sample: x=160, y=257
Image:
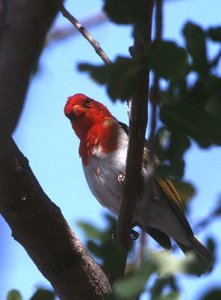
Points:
x=103, y=150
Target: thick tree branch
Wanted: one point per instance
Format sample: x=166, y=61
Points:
x=37, y=223
x=3, y=6
x=138, y=121
x=24, y=28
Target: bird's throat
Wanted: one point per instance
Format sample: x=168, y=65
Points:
x=101, y=139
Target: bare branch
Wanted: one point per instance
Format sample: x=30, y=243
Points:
x=61, y=33
x=37, y=224
x=86, y=34
x=155, y=96
x=138, y=121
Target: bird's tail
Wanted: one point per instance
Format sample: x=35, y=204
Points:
x=199, y=249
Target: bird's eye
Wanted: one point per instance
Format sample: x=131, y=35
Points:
x=86, y=103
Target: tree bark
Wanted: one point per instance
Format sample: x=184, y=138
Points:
x=133, y=184
x=38, y=224
x=35, y=221
x=23, y=26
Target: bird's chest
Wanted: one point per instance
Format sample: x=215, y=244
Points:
x=104, y=173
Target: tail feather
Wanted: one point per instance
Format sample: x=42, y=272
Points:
x=199, y=249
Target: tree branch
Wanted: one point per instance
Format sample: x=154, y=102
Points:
x=24, y=29
x=155, y=96
x=35, y=221
x=138, y=120
x=61, y=33
x=3, y=6
x=38, y=224
x=86, y=34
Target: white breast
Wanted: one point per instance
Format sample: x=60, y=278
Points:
x=102, y=173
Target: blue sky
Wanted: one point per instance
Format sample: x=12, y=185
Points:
x=45, y=136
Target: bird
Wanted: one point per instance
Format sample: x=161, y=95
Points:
x=103, y=151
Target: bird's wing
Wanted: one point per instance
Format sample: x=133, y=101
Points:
x=173, y=197
x=146, y=153
x=164, y=184
x=124, y=127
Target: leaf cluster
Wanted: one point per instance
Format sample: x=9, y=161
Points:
x=40, y=294
x=102, y=245
x=190, y=97
x=189, y=110
x=156, y=276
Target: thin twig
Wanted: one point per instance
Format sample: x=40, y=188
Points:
x=155, y=97
x=86, y=34
x=59, y=34
x=141, y=252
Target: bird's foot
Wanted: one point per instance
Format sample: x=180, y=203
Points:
x=133, y=234
x=121, y=177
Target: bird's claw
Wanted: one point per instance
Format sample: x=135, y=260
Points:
x=133, y=234
x=121, y=177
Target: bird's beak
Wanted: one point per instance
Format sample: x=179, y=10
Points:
x=70, y=112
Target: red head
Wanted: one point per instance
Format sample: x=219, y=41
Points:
x=84, y=113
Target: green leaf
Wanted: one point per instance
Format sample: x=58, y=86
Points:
x=192, y=264
x=90, y=230
x=161, y=262
x=95, y=249
x=113, y=258
x=131, y=286
x=171, y=147
x=162, y=283
x=193, y=121
x=14, y=295
x=111, y=221
x=214, y=33
x=179, y=143
x=167, y=59
x=211, y=245
x=169, y=296
x=214, y=294
x=43, y=294
x=213, y=88
x=217, y=211
x=196, y=46
x=120, y=77
x=124, y=11
x=166, y=264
